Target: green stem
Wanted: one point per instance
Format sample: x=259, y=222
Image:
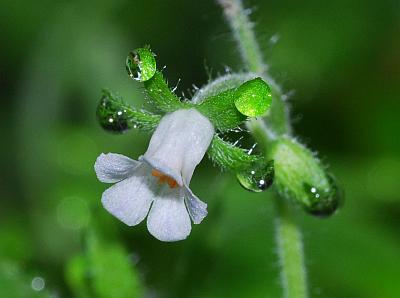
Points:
x=290, y=249
x=277, y=123
x=242, y=29
x=243, y=33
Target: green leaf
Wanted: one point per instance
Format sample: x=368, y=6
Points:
x=253, y=98
x=141, y=64
x=116, y=116
x=77, y=277
x=112, y=272
x=103, y=270
x=163, y=98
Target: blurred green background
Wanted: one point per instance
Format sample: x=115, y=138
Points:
x=342, y=60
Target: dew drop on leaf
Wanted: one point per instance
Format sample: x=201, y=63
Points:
x=253, y=98
x=258, y=177
x=141, y=64
x=323, y=202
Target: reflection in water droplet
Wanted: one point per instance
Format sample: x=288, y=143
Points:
x=141, y=64
x=132, y=65
x=323, y=202
x=111, y=115
x=258, y=177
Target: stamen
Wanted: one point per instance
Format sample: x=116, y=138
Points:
x=171, y=182
x=162, y=178
x=156, y=173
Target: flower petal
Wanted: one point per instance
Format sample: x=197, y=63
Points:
x=168, y=219
x=112, y=167
x=163, y=169
x=197, y=209
x=130, y=199
x=179, y=144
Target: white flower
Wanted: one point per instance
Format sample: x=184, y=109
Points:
x=159, y=181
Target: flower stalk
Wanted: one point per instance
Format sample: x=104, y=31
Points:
x=290, y=247
x=289, y=241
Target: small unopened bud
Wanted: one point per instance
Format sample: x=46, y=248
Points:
x=300, y=176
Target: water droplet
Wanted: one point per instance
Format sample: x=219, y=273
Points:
x=141, y=64
x=323, y=201
x=112, y=115
x=258, y=177
x=132, y=66
x=38, y=283
x=253, y=98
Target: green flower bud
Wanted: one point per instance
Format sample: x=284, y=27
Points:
x=230, y=108
x=299, y=175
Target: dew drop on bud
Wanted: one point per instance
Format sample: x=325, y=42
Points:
x=253, y=98
x=323, y=202
x=111, y=114
x=258, y=177
x=141, y=64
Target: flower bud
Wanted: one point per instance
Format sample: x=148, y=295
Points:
x=300, y=176
x=230, y=108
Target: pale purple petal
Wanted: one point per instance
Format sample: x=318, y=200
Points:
x=197, y=209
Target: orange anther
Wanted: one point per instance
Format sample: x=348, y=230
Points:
x=171, y=182
x=156, y=173
x=162, y=178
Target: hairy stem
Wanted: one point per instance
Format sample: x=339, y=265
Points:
x=277, y=123
x=242, y=29
x=290, y=248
